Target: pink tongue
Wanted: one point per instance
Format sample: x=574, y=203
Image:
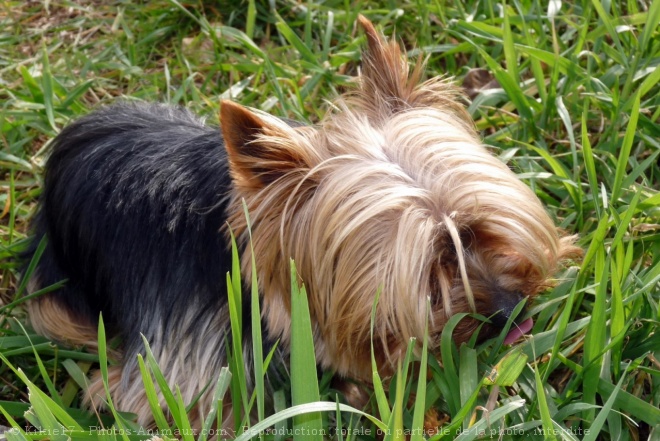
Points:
x=518, y=331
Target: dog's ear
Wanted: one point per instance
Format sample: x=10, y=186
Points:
x=389, y=86
x=385, y=72
x=260, y=150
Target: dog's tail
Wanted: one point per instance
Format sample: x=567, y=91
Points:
x=49, y=313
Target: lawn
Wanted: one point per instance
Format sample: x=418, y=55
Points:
x=566, y=94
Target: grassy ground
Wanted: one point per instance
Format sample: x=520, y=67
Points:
x=575, y=110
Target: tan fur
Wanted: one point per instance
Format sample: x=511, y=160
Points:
x=134, y=399
x=190, y=366
x=395, y=190
x=50, y=319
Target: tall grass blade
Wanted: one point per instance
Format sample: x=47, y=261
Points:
x=379, y=391
x=395, y=425
x=468, y=380
x=42, y=370
x=239, y=390
x=508, y=45
x=566, y=119
x=47, y=84
x=255, y=314
x=561, y=329
x=420, y=397
x=447, y=348
x=588, y=158
x=304, y=380
x=152, y=396
x=624, y=152
x=651, y=26
x=652, y=80
x=103, y=362
x=547, y=423
x=507, y=370
x=163, y=386
x=507, y=82
x=185, y=429
x=611, y=30
x=29, y=271
x=599, y=422
x=634, y=406
x=295, y=41
x=560, y=170
x=596, y=338
x=251, y=19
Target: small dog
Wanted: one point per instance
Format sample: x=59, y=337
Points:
x=393, y=190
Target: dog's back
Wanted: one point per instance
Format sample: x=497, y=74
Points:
x=124, y=189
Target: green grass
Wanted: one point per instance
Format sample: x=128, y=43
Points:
x=577, y=116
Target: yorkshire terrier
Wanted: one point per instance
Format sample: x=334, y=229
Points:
x=392, y=191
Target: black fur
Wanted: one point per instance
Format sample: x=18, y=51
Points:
x=124, y=188
x=133, y=204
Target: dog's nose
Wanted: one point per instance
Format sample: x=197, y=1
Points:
x=503, y=304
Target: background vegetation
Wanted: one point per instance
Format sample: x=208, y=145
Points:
x=567, y=94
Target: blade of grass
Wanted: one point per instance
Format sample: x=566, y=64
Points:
x=447, y=352
x=250, y=19
x=379, y=391
x=420, y=397
x=624, y=152
x=42, y=370
x=566, y=119
x=237, y=362
x=651, y=26
x=295, y=41
x=78, y=381
x=561, y=329
x=185, y=429
x=303, y=409
x=508, y=83
x=468, y=380
x=257, y=342
x=304, y=381
x=16, y=433
x=47, y=85
x=560, y=170
x=28, y=272
x=508, y=369
x=599, y=422
x=152, y=397
x=546, y=420
x=588, y=157
x=165, y=390
x=507, y=44
x=480, y=427
x=595, y=338
x=637, y=408
x=395, y=425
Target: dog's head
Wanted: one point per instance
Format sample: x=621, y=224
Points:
x=392, y=192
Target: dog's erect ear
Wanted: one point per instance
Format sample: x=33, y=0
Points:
x=239, y=126
x=385, y=72
x=389, y=86
x=260, y=151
